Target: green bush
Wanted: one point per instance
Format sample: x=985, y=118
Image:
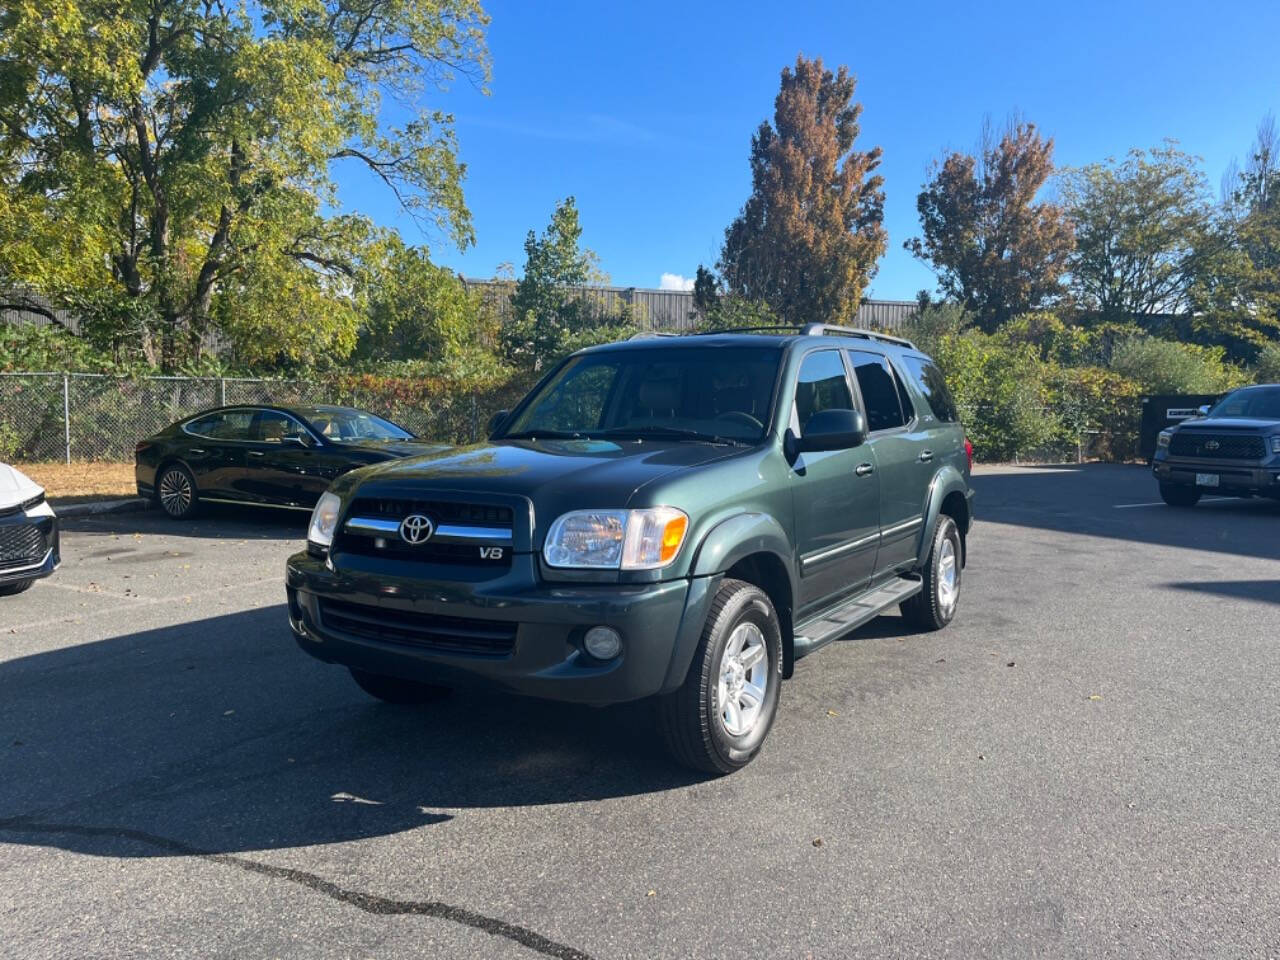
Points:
x=1268, y=368
x=1165, y=366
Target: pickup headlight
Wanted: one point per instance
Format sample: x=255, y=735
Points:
x=616, y=539
x=324, y=520
x=1163, y=438
x=1275, y=444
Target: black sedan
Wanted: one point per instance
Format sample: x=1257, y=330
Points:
x=268, y=456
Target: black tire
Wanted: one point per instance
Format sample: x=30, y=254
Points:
x=397, y=690
x=936, y=603
x=1179, y=494
x=176, y=492
x=10, y=589
x=691, y=720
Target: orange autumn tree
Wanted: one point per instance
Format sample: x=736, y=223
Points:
x=808, y=238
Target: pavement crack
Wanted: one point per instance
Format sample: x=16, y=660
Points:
x=369, y=903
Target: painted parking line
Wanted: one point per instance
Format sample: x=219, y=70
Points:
x=1161, y=503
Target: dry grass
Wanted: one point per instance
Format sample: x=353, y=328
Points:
x=81, y=482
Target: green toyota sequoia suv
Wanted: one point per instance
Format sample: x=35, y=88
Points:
x=676, y=517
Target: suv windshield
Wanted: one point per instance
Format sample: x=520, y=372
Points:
x=693, y=393
x=342, y=426
x=1261, y=403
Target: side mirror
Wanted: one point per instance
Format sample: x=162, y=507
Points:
x=496, y=422
x=833, y=430
x=1203, y=409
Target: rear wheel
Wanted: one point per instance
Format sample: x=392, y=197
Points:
x=9, y=589
x=1179, y=494
x=934, y=606
x=397, y=689
x=719, y=718
x=176, y=492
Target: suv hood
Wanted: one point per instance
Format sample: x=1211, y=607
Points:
x=16, y=487
x=554, y=474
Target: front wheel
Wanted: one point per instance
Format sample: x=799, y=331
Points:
x=396, y=690
x=18, y=586
x=718, y=719
x=1179, y=494
x=934, y=606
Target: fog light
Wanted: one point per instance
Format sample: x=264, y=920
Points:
x=603, y=643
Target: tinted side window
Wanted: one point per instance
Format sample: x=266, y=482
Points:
x=928, y=378
x=224, y=425
x=272, y=427
x=821, y=385
x=879, y=391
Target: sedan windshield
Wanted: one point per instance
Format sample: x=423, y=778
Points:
x=1259, y=403
x=718, y=394
x=343, y=425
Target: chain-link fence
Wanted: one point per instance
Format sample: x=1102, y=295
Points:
x=75, y=416
x=56, y=416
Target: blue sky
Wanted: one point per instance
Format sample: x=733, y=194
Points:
x=644, y=111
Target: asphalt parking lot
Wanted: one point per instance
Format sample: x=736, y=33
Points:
x=1086, y=763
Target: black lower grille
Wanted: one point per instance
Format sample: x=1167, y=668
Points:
x=493, y=638
x=1222, y=446
x=21, y=545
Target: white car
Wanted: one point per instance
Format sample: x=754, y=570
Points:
x=28, y=532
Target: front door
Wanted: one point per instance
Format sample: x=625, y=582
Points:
x=281, y=465
x=901, y=446
x=836, y=493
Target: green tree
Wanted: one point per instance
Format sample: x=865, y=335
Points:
x=181, y=153
x=808, y=238
x=996, y=250
x=551, y=313
x=1166, y=366
x=1138, y=223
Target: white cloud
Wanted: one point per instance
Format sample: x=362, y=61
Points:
x=673, y=281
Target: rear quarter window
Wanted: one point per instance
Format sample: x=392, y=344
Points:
x=931, y=383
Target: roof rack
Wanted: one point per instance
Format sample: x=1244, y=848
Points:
x=648, y=334
x=821, y=329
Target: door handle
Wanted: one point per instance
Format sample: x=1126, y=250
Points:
x=195, y=452
x=926, y=456
x=256, y=453
x=863, y=469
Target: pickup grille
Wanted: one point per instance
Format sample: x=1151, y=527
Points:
x=491, y=638
x=1217, y=446
x=392, y=547
x=21, y=545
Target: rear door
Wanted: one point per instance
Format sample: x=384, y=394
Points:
x=903, y=457
x=836, y=493
x=214, y=450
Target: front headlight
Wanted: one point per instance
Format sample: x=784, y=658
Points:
x=1163, y=438
x=324, y=520
x=616, y=539
x=1275, y=444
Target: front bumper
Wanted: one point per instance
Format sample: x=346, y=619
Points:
x=1234, y=478
x=44, y=561
x=660, y=624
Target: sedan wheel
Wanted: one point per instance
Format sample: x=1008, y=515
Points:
x=177, y=493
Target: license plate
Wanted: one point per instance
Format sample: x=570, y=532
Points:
x=1206, y=479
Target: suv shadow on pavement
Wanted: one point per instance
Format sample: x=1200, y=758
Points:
x=1121, y=501
x=217, y=733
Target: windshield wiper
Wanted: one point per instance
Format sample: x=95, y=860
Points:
x=543, y=435
x=669, y=433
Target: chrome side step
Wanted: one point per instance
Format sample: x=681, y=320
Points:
x=818, y=631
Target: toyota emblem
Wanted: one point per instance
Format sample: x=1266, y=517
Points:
x=1211, y=444
x=416, y=529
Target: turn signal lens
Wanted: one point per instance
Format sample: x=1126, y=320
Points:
x=653, y=537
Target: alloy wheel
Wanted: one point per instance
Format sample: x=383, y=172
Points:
x=743, y=680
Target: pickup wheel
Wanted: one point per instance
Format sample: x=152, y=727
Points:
x=720, y=716
x=1179, y=494
x=934, y=606
x=396, y=689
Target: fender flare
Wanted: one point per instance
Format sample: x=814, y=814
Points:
x=729, y=541
x=946, y=481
